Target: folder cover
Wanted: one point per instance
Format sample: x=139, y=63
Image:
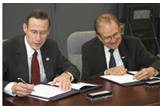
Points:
x=83, y=87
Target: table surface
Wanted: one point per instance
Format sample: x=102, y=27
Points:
x=134, y=95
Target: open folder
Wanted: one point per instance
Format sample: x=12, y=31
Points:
x=125, y=80
x=53, y=93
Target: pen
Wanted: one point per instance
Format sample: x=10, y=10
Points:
x=138, y=71
x=20, y=79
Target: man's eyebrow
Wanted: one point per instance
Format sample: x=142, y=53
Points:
x=32, y=30
x=111, y=35
x=115, y=33
x=37, y=31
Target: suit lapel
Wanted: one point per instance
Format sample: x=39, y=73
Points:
x=21, y=58
x=47, y=63
x=100, y=55
x=124, y=53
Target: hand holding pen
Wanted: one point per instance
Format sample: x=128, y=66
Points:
x=20, y=79
x=22, y=89
x=145, y=74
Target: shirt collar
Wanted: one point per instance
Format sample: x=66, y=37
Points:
x=30, y=51
x=107, y=49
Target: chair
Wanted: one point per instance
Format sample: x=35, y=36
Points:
x=74, y=44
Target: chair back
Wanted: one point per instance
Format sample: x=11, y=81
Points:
x=74, y=44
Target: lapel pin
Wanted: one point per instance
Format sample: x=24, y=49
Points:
x=47, y=59
x=122, y=57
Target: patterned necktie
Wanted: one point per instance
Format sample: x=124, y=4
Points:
x=112, y=62
x=35, y=71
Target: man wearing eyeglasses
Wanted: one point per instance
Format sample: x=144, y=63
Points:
x=111, y=53
x=35, y=59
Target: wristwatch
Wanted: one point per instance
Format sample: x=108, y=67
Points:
x=70, y=77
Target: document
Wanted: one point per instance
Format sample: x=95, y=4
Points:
x=127, y=79
x=120, y=79
x=46, y=91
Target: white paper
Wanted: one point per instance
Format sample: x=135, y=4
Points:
x=46, y=91
x=120, y=79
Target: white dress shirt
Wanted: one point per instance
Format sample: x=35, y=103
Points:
x=117, y=57
x=30, y=52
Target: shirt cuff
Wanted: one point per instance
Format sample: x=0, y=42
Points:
x=157, y=73
x=8, y=89
x=105, y=72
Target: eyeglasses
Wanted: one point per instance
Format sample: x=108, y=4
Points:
x=109, y=38
x=42, y=33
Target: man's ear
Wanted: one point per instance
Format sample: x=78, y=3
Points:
x=48, y=30
x=98, y=37
x=24, y=27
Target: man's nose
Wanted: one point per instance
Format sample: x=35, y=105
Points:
x=113, y=39
x=38, y=36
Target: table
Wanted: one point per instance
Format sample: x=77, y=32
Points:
x=134, y=95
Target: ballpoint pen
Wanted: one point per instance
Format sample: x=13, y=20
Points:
x=138, y=71
x=20, y=79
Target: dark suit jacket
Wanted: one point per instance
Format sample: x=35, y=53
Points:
x=15, y=62
x=135, y=57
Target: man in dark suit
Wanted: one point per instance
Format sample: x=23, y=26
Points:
x=17, y=59
x=128, y=53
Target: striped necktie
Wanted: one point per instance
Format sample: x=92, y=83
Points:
x=112, y=62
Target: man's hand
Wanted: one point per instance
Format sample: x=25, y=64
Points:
x=145, y=74
x=21, y=89
x=119, y=70
x=64, y=82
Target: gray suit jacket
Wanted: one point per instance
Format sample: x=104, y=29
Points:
x=15, y=61
x=135, y=57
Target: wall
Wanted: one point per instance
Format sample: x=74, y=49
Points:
x=66, y=18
